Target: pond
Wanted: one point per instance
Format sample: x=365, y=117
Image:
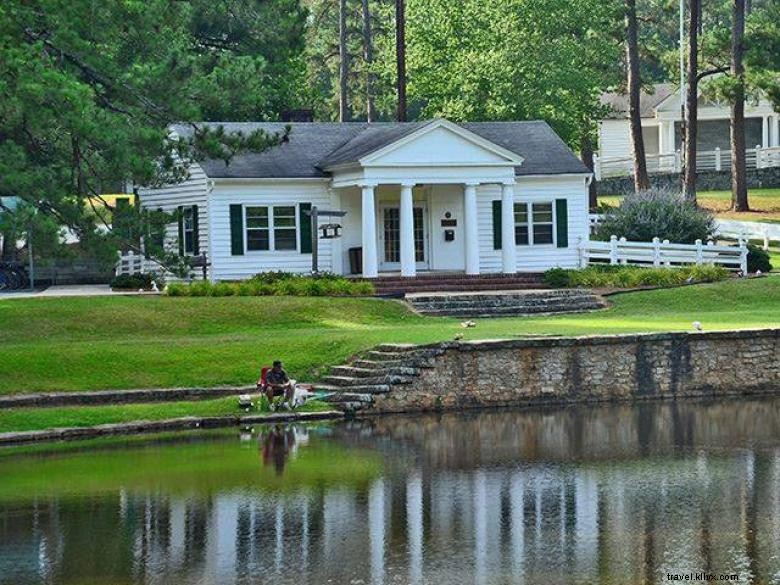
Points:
x=611, y=494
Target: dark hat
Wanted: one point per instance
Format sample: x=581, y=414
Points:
x=277, y=363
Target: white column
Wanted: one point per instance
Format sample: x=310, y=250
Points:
x=765, y=130
x=470, y=223
x=370, y=266
x=407, y=231
x=776, y=130
x=508, y=248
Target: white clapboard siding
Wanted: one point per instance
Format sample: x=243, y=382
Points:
x=229, y=267
x=535, y=258
x=193, y=191
x=614, y=138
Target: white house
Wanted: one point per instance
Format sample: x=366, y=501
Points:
x=473, y=198
x=661, y=123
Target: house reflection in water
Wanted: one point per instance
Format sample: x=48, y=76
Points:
x=609, y=495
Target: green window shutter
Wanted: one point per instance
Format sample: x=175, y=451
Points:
x=237, y=230
x=304, y=227
x=180, y=216
x=497, y=224
x=562, y=222
x=195, y=232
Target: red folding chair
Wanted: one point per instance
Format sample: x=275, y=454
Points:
x=262, y=383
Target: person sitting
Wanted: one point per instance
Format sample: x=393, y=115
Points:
x=278, y=383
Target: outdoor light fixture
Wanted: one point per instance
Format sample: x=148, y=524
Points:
x=329, y=231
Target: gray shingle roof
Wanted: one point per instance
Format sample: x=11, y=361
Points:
x=648, y=101
x=314, y=145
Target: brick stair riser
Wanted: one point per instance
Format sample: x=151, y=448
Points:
x=504, y=297
x=399, y=290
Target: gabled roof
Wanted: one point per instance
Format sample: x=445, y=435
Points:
x=313, y=146
x=648, y=101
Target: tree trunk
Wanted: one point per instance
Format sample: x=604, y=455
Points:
x=641, y=180
x=586, y=155
x=400, y=55
x=739, y=195
x=343, y=62
x=368, y=56
x=691, y=103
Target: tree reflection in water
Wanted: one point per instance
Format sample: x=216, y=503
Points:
x=614, y=495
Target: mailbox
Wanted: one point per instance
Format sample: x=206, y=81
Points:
x=449, y=235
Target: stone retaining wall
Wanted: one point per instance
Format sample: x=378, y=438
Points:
x=705, y=181
x=591, y=369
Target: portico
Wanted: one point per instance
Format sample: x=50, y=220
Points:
x=419, y=200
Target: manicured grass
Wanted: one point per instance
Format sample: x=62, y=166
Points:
x=73, y=344
x=33, y=419
x=765, y=204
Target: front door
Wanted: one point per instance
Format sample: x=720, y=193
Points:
x=390, y=237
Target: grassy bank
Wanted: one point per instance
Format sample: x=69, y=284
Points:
x=764, y=204
x=71, y=344
x=33, y=418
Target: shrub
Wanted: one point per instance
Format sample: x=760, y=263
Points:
x=657, y=213
x=132, y=282
x=607, y=276
x=556, y=278
x=284, y=285
x=758, y=259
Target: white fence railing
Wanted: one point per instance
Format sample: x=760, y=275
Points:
x=130, y=263
x=707, y=160
x=748, y=230
x=662, y=253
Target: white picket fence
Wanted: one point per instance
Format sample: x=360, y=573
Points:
x=662, y=253
x=134, y=263
x=706, y=160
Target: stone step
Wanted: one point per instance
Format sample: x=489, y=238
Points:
x=467, y=303
x=397, y=347
x=350, y=381
x=507, y=296
x=421, y=353
x=410, y=363
x=358, y=372
x=357, y=389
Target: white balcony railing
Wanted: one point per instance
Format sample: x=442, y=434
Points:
x=706, y=160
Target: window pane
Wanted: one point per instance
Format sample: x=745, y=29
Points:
x=521, y=235
x=543, y=234
x=187, y=217
x=521, y=213
x=284, y=216
x=256, y=217
x=257, y=239
x=543, y=212
x=284, y=239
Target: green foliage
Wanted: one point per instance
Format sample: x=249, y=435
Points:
x=667, y=215
x=132, y=282
x=607, y=276
x=90, y=88
x=275, y=283
x=758, y=259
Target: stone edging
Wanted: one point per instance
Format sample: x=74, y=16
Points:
x=173, y=424
x=490, y=344
x=108, y=397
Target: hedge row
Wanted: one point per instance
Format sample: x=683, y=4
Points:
x=288, y=285
x=608, y=276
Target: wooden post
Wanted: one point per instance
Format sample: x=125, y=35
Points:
x=613, y=254
x=743, y=254
x=623, y=260
x=718, y=160
x=656, y=251
x=699, y=253
x=667, y=262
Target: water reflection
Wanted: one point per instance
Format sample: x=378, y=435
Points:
x=580, y=495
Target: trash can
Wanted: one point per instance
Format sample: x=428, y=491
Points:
x=355, y=260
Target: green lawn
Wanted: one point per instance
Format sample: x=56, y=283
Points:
x=73, y=344
x=34, y=418
x=765, y=204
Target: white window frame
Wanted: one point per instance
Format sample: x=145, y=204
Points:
x=271, y=228
x=529, y=205
x=188, y=233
